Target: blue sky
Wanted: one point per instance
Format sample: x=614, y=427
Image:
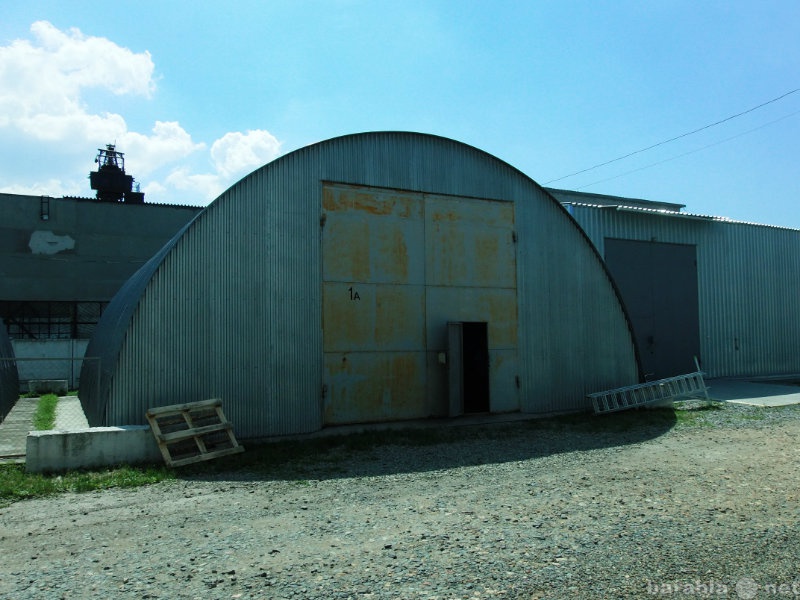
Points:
x=198, y=94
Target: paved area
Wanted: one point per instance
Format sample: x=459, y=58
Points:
x=69, y=414
x=14, y=430
x=761, y=393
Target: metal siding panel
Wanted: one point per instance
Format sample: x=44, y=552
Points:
x=575, y=337
x=222, y=287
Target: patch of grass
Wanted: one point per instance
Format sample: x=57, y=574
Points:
x=691, y=418
x=16, y=484
x=45, y=415
x=756, y=414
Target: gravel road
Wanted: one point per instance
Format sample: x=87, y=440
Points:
x=526, y=510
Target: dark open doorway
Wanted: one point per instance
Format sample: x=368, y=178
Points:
x=476, y=368
x=468, y=367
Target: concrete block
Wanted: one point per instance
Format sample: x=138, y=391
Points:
x=53, y=451
x=48, y=386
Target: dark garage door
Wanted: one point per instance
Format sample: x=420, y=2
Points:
x=658, y=283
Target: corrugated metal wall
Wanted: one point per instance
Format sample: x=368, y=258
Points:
x=232, y=308
x=748, y=285
x=9, y=382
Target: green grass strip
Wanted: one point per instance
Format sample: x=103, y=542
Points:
x=16, y=484
x=45, y=415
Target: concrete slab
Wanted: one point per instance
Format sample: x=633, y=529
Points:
x=754, y=393
x=69, y=414
x=14, y=430
x=56, y=451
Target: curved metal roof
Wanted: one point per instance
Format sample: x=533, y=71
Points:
x=231, y=306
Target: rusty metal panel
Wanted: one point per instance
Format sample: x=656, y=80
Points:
x=469, y=243
x=372, y=235
x=366, y=317
x=471, y=272
x=373, y=308
x=498, y=307
x=461, y=248
x=374, y=386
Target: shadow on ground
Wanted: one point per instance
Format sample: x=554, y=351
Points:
x=386, y=452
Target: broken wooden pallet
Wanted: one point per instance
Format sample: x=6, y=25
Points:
x=193, y=432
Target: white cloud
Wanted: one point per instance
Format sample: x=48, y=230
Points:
x=237, y=153
x=44, y=85
x=49, y=187
x=206, y=187
x=41, y=83
x=168, y=143
x=77, y=127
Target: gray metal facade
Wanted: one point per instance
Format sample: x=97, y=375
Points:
x=233, y=306
x=78, y=249
x=9, y=383
x=748, y=279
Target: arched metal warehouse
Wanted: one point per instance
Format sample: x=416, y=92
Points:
x=9, y=383
x=371, y=277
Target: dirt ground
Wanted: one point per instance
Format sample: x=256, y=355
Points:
x=518, y=512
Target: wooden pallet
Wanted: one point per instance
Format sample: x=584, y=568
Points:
x=190, y=433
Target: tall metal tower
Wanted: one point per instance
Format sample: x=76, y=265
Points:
x=110, y=180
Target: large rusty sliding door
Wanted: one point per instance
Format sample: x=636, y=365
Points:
x=397, y=266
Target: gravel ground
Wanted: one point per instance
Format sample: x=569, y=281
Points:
x=705, y=507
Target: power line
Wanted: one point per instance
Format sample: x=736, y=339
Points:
x=677, y=137
x=738, y=135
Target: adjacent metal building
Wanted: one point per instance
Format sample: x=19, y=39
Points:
x=694, y=285
x=371, y=277
x=63, y=259
x=61, y=262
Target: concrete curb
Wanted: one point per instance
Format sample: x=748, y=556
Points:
x=54, y=450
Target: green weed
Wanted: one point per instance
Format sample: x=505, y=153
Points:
x=45, y=415
x=16, y=484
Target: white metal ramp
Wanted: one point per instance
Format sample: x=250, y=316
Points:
x=652, y=392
